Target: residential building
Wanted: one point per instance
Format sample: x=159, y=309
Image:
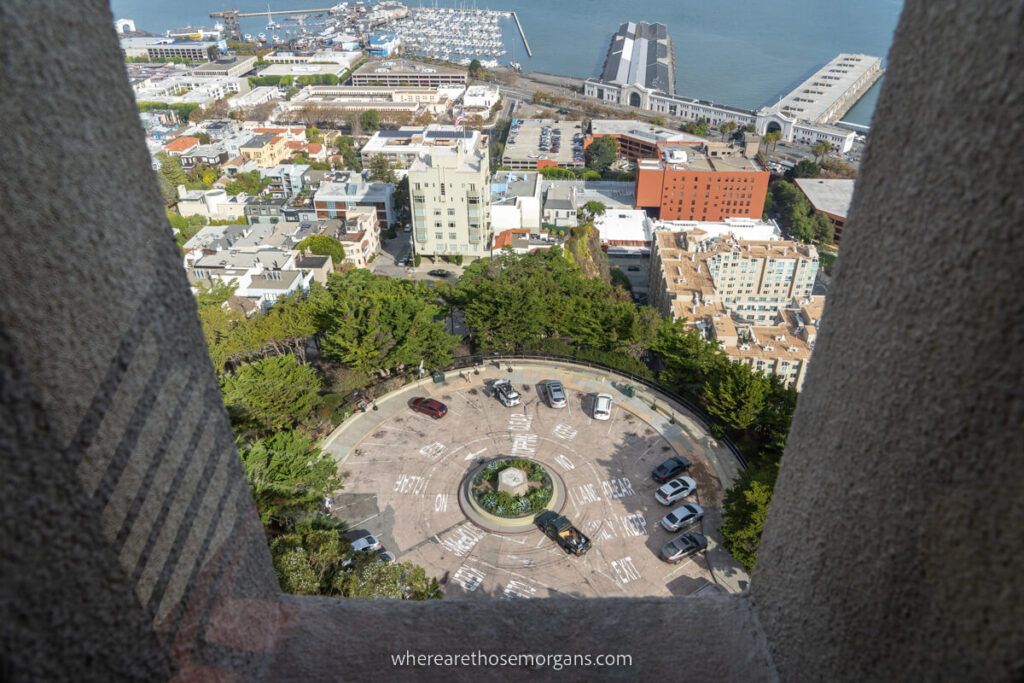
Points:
x=479, y=99
x=265, y=209
x=204, y=155
x=181, y=145
x=285, y=180
x=712, y=183
x=359, y=233
x=630, y=229
x=744, y=229
x=403, y=146
x=560, y=207
x=748, y=295
x=522, y=241
x=533, y=144
x=266, y=150
x=402, y=73
x=346, y=190
x=319, y=266
x=830, y=197
x=640, y=139
x=214, y=204
x=450, y=197
x=233, y=66
x=515, y=201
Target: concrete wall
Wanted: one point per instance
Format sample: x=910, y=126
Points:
x=131, y=546
x=893, y=547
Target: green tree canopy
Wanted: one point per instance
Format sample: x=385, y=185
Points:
x=820, y=149
x=699, y=127
x=559, y=173
x=251, y=183
x=375, y=323
x=289, y=477
x=370, y=120
x=726, y=128
x=475, y=68
x=736, y=395
x=323, y=245
x=601, y=153
x=745, y=511
x=805, y=168
x=375, y=580
x=381, y=169
x=271, y=394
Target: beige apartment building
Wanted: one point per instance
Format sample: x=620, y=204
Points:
x=449, y=186
x=267, y=150
x=753, y=297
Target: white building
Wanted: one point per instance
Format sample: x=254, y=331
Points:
x=450, y=194
x=213, y=204
x=403, y=146
x=515, y=202
x=629, y=229
x=480, y=98
x=255, y=97
x=746, y=229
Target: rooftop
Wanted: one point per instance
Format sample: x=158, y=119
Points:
x=641, y=53
x=643, y=130
x=831, y=196
x=181, y=144
x=514, y=184
x=538, y=140
x=225, y=64
x=812, y=99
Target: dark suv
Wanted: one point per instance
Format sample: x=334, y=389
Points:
x=670, y=468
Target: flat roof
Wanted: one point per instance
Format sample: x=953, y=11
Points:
x=812, y=99
x=532, y=140
x=619, y=194
x=831, y=196
x=642, y=130
x=641, y=53
x=303, y=69
x=396, y=66
x=225, y=64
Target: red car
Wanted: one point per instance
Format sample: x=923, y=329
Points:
x=429, y=406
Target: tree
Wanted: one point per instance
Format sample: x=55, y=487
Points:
x=370, y=119
x=374, y=579
x=171, y=170
x=271, y=394
x=726, y=128
x=375, y=323
x=824, y=229
x=735, y=394
x=821, y=149
x=313, y=134
x=601, y=153
x=657, y=120
x=289, y=477
x=323, y=245
x=251, y=183
x=347, y=150
x=687, y=357
x=771, y=138
x=475, y=69
x=698, y=127
x=590, y=175
x=559, y=173
x=203, y=137
x=593, y=209
x=805, y=168
x=745, y=511
x=381, y=169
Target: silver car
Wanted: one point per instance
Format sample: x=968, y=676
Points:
x=674, y=490
x=602, y=407
x=682, y=518
x=680, y=548
x=555, y=393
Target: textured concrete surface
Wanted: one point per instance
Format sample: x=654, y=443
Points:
x=893, y=547
x=125, y=514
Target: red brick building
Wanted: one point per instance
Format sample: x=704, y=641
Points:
x=696, y=186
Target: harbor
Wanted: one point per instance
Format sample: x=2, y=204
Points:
x=453, y=34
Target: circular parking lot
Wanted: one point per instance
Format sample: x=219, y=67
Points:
x=403, y=472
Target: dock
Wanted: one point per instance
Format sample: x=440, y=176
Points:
x=526, y=44
x=827, y=95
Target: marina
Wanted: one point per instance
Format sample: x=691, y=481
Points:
x=452, y=34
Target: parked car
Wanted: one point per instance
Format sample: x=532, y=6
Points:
x=407, y=228
x=506, y=393
x=439, y=272
x=386, y=556
x=682, y=518
x=675, y=489
x=429, y=406
x=633, y=269
x=602, y=406
x=682, y=547
x=561, y=531
x=555, y=393
x=367, y=544
x=670, y=468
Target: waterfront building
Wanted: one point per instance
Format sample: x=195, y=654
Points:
x=709, y=183
x=383, y=44
x=304, y=70
x=533, y=144
x=828, y=94
x=156, y=48
x=753, y=297
x=830, y=197
x=450, y=190
x=478, y=99
x=641, y=53
x=403, y=73
x=344, y=57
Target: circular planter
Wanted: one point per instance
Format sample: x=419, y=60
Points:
x=482, y=480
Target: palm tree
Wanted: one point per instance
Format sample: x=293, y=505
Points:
x=772, y=138
x=726, y=128
x=820, y=150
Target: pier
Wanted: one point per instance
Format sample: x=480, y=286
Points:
x=827, y=95
x=526, y=44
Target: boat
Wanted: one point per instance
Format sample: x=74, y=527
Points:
x=262, y=37
x=516, y=66
x=276, y=39
x=248, y=37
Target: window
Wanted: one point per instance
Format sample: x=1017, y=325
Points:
x=451, y=212
x=438, y=235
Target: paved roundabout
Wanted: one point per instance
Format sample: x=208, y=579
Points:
x=403, y=473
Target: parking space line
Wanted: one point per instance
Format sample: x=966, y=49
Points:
x=473, y=405
x=676, y=570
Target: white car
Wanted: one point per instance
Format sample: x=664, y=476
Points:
x=676, y=489
x=506, y=393
x=366, y=544
x=602, y=406
x=682, y=518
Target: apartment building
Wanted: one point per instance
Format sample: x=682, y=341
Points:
x=359, y=233
x=265, y=150
x=749, y=295
x=403, y=146
x=342, y=192
x=450, y=198
x=710, y=183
